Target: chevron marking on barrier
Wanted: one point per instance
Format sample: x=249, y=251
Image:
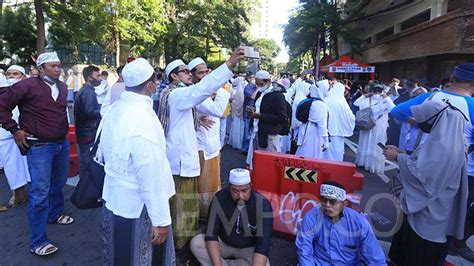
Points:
x=298, y=174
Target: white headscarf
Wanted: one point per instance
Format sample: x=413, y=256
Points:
x=238, y=96
x=341, y=119
x=320, y=89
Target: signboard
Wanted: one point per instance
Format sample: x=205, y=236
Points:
x=351, y=69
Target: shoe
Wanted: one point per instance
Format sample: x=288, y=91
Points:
x=465, y=252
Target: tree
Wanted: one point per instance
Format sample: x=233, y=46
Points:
x=18, y=32
x=41, y=41
x=268, y=50
x=108, y=23
x=316, y=26
x=194, y=28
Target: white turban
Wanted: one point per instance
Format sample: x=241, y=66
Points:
x=196, y=62
x=17, y=68
x=47, y=58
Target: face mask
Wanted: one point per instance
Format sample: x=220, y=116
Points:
x=426, y=125
x=12, y=81
x=252, y=81
x=263, y=88
x=95, y=82
x=181, y=84
x=50, y=80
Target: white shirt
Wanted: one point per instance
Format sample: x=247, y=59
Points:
x=181, y=141
x=137, y=172
x=258, y=103
x=101, y=91
x=54, y=91
x=209, y=140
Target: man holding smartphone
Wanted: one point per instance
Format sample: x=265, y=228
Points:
x=269, y=115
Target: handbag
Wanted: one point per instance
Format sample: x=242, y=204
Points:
x=88, y=192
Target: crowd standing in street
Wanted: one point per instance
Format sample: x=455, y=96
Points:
x=158, y=135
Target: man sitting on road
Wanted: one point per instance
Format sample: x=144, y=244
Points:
x=335, y=235
x=239, y=226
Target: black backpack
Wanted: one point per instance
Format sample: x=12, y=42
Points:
x=302, y=110
x=285, y=127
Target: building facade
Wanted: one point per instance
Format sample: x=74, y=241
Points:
x=415, y=39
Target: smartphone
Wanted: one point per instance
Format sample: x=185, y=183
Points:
x=381, y=145
x=32, y=138
x=249, y=109
x=251, y=52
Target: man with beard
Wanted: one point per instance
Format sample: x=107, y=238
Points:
x=239, y=226
x=180, y=121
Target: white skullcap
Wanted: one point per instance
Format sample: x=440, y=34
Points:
x=262, y=74
x=196, y=62
x=333, y=192
x=239, y=177
x=17, y=68
x=174, y=64
x=137, y=72
x=46, y=58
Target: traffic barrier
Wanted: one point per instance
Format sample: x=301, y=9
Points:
x=291, y=184
x=73, y=155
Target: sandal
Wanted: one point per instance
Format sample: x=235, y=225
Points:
x=64, y=219
x=45, y=250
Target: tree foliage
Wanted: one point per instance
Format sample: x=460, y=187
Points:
x=316, y=26
x=17, y=30
x=194, y=28
x=269, y=50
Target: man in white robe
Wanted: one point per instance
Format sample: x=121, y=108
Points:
x=313, y=137
x=178, y=115
x=138, y=182
x=209, y=142
x=14, y=164
x=341, y=122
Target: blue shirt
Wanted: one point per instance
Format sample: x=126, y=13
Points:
x=248, y=91
x=465, y=104
x=350, y=241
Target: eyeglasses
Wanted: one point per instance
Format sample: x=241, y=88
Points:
x=185, y=71
x=331, y=202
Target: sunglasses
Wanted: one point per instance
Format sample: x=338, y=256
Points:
x=185, y=71
x=331, y=202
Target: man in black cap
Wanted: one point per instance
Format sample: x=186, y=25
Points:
x=458, y=92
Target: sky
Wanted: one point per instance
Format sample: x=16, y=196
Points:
x=279, y=13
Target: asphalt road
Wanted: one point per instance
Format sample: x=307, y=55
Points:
x=79, y=243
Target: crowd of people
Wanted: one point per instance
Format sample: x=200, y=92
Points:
x=158, y=134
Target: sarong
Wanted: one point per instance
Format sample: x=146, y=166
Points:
x=128, y=242
x=209, y=182
x=185, y=210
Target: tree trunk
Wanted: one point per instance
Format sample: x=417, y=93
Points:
x=316, y=54
x=41, y=41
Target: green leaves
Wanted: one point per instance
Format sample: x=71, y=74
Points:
x=17, y=30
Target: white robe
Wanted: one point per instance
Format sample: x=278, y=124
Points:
x=13, y=163
x=341, y=122
x=236, y=135
x=369, y=154
x=314, y=134
x=209, y=139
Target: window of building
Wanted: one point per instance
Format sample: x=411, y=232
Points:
x=413, y=21
x=384, y=34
